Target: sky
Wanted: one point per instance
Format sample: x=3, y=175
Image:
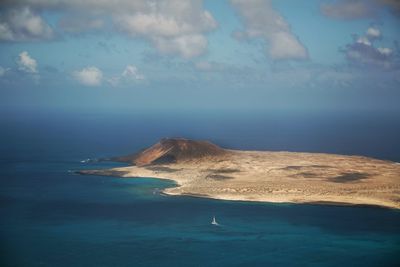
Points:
x=319, y=55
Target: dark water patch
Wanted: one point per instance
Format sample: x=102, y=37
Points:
x=347, y=177
x=6, y=201
x=138, y=211
x=359, y=218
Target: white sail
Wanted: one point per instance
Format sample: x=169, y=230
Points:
x=214, y=222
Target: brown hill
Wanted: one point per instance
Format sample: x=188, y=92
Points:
x=169, y=150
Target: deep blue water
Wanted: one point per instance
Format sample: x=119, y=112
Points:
x=51, y=217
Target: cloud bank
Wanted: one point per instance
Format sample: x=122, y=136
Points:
x=171, y=26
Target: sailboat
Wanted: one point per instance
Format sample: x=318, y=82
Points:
x=214, y=222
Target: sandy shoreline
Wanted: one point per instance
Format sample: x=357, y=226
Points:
x=280, y=177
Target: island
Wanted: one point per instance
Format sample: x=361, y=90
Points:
x=203, y=169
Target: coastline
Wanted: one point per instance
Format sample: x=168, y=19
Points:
x=277, y=177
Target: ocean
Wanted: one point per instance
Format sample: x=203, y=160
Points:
x=50, y=216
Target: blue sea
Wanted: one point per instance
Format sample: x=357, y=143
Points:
x=50, y=216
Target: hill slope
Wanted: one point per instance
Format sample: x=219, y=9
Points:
x=171, y=150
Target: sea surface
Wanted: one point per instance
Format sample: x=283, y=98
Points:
x=50, y=216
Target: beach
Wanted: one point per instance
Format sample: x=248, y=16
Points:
x=279, y=177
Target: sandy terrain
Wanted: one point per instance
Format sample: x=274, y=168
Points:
x=278, y=177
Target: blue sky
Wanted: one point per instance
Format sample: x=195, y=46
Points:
x=199, y=55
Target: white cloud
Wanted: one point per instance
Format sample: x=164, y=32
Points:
x=89, y=76
x=26, y=63
x=284, y=45
x=188, y=46
x=364, y=40
x=130, y=74
x=95, y=6
x=171, y=26
x=385, y=51
x=22, y=24
x=373, y=33
x=370, y=36
x=348, y=9
x=363, y=52
x=262, y=21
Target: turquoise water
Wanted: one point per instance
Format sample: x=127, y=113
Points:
x=52, y=217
